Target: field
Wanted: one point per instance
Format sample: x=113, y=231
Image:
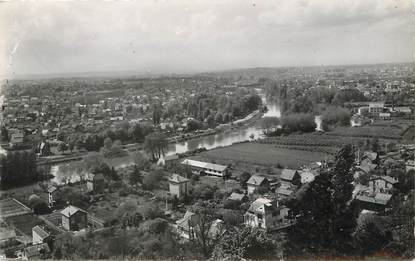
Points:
x=262, y=154
x=10, y=207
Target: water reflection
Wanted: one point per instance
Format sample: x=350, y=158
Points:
x=65, y=172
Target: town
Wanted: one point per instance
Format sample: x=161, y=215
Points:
x=247, y=164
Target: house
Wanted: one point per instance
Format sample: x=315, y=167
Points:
x=307, y=176
x=265, y=214
x=185, y=225
x=178, y=185
x=257, y=184
x=216, y=228
x=283, y=192
x=377, y=203
x=38, y=251
x=52, y=195
x=16, y=138
x=7, y=236
x=166, y=159
x=40, y=235
x=372, y=156
x=409, y=165
x=290, y=177
x=200, y=168
x=381, y=184
x=74, y=218
x=96, y=183
x=238, y=197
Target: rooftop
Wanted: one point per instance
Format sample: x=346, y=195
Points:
x=256, y=180
x=204, y=165
x=288, y=174
x=178, y=179
x=69, y=211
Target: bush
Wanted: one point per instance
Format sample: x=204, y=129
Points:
x=298, y=122
x=152, y=180
x=335, y=116
x=158, y=225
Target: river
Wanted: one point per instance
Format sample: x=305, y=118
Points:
x=226, y=138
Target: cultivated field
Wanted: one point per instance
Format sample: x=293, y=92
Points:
x=255, y=153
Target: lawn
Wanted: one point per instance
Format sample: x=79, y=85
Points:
x=253, y=153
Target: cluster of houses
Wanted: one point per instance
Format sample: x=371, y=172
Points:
x=263, y=195
x=376, y=195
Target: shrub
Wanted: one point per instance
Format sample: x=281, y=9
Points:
x=335, y=116
x=302, y=122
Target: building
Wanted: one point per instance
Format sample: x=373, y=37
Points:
x=373, y=157
x=290, y=177
x=257, y=184
x=38, y=251
x=178, y=185
x=201, y=168
x=372, y=110
x=7, y=236
x=377, y=203
x=265, y=214
x=307, y=176
x=40, y=235
x=381, y=184
x=74, y=218
x=16, y=138
x=283, y=192
x=238, y=197
x=409, y=165
x=96, y=184
x=185, y=225
x=52, y=195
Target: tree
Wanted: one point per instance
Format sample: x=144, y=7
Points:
x=157, y=115
x=18, y=168
x=141, y=161
x=62, y=147
x=152, y=180
x=343, y=222
x=203, y=239
x=61, y=136
x=298, y=122
x=245, y=176
x=371, y=234
x=245, y=243
x=135, y=175
x=335, y=116
x=325, y=212
x=218, y=118
x=210, y=121
x=155, y=144
x=4, y=133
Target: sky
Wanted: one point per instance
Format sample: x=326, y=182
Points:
x=178, y=36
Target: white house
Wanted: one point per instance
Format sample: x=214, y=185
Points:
x=307, y=176
x=257, y=183
x=265, y=214
x=200, y=167
x=178, y=185
x=381, y=184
